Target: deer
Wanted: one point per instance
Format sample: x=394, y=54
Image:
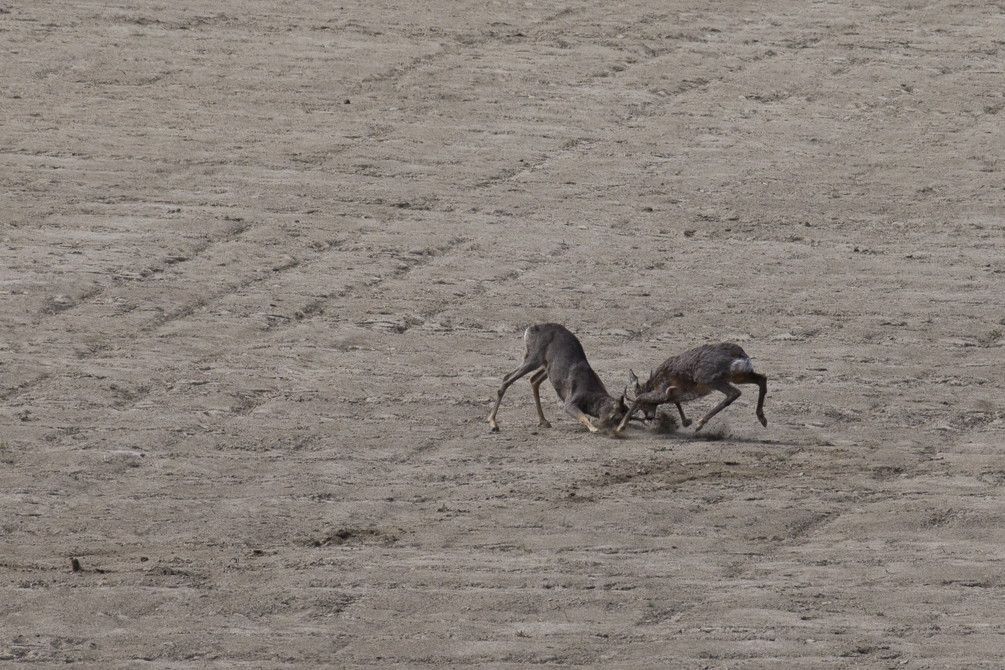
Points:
x=556, y=354
x=694, y=374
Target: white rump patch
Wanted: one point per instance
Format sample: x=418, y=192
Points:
x=741, y=365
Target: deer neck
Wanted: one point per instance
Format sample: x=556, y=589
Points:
x=594, y=402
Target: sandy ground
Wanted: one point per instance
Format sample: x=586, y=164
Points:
x=265, y=266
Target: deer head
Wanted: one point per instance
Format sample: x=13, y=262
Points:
x=611, y=416
x=639, y=389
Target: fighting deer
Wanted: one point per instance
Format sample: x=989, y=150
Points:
x=693, y=374
x=556, y=354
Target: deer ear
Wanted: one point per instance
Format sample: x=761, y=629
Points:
x=635, y=382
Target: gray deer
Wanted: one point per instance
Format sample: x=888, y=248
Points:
x=556, y=354
x=693, y=374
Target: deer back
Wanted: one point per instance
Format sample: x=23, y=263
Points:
x=699, y=366
x=565, y=360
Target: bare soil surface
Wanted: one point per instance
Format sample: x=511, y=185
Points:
x=265, y=265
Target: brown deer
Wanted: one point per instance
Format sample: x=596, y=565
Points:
x=693, y=374
x=556, y=354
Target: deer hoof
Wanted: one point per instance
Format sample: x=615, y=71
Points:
x=764, y=422
x=545, y=424
x=495, y=429
x=685, y=422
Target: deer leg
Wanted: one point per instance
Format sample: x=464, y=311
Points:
x=535, y=383
x=528, y=366
x=732, y=393
x=580, y=416
x=651, y=398
x=762, y=383
x=684, y=421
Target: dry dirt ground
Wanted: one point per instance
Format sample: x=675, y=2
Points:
x=265, y=265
